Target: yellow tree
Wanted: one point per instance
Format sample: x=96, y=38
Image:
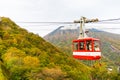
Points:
x=31, y=62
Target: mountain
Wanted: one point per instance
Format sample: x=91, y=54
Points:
x=27, y=56
x=110, y=43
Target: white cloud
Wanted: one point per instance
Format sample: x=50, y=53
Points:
x=51, y=10
x=59, y=10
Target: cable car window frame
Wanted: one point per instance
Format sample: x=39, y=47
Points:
x=96, y=46
x=79, y=41
x=89, y=45
x=81, y=45
x=84, y=43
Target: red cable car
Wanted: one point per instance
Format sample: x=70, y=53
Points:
x=86, y=48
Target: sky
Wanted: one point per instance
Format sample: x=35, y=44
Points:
x=57, y=11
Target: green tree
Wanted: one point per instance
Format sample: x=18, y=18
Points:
x=100, y=72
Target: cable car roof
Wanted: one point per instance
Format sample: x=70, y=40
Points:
x=84, y=39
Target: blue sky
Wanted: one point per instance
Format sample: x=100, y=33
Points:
x=58, y=10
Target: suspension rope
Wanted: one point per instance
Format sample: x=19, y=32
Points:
x=70, y=22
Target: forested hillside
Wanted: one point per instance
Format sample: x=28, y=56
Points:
x=26, y=56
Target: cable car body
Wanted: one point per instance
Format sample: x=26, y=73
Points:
x=86, y=49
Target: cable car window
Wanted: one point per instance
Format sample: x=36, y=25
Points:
x=89, y=45
x=75, y=46
x=81, y=46
x=96, y=46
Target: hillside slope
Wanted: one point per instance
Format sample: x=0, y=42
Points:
x=26, y=56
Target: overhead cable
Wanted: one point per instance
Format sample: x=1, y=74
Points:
x=99, y=21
